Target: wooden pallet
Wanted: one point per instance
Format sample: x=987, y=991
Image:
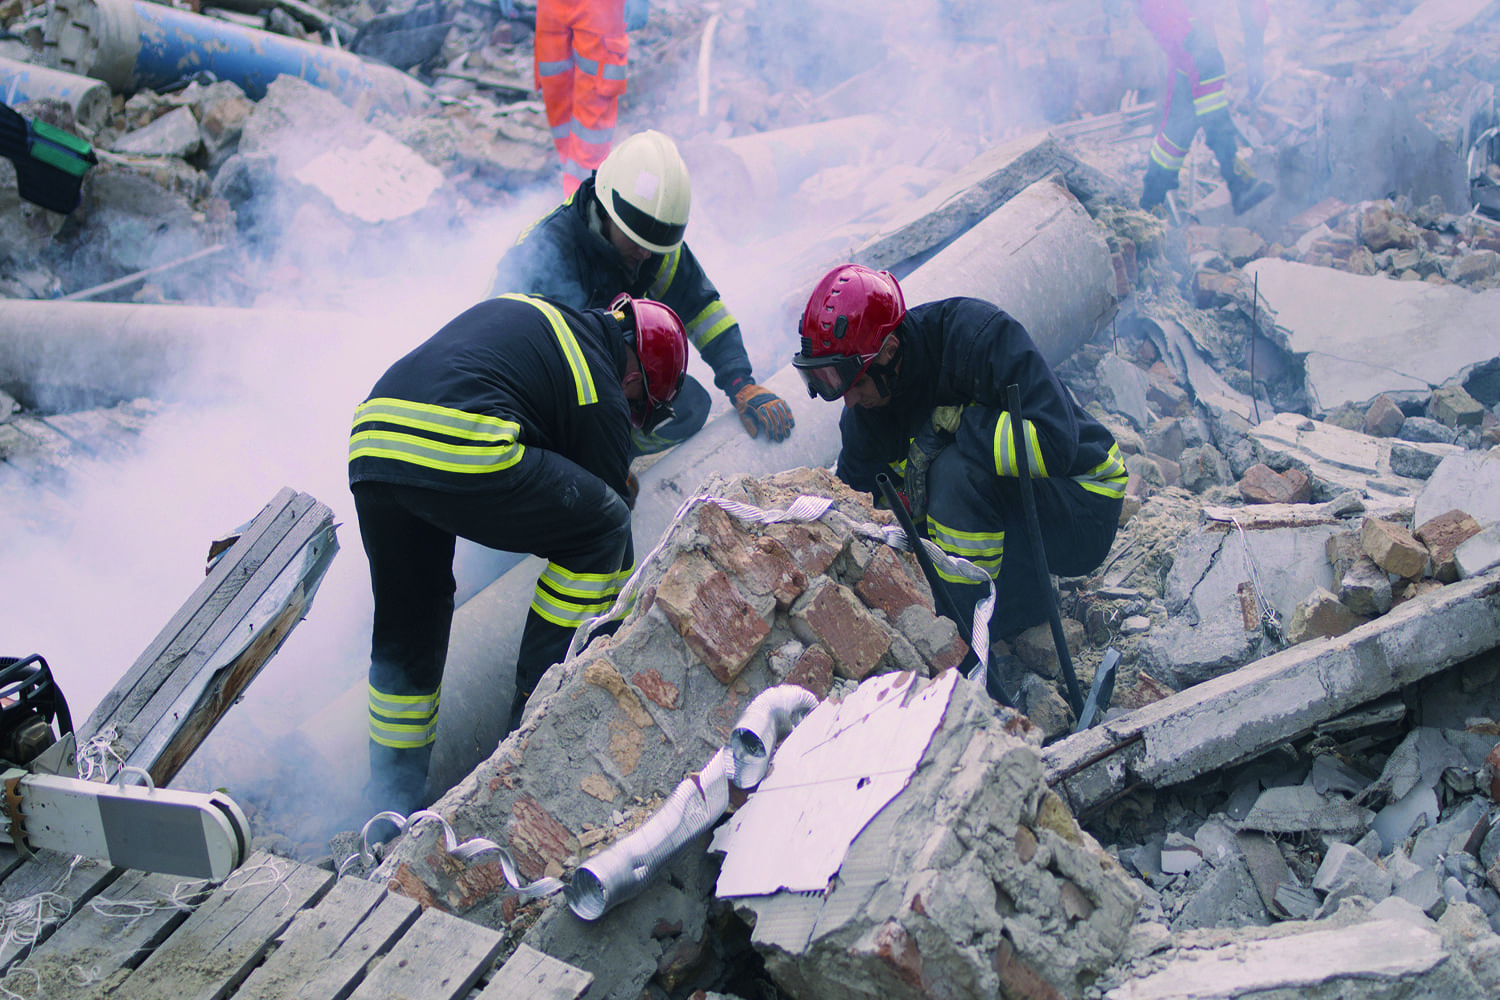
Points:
x=275, y=929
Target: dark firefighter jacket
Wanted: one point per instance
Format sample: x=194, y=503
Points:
x=562, y=257
x=511, y=373
x=963, y=351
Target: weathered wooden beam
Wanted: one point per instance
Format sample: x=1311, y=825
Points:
x=217, y=643
x=440, y=957
x=1244, y=713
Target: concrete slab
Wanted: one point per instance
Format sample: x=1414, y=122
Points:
x=1341, y=459
x=1465, y=480
x=1361, y=335
x=1380, y=950
x=1239, y=715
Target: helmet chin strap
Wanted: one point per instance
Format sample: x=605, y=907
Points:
x=882, y=375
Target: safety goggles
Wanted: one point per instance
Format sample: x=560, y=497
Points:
x=832, y=375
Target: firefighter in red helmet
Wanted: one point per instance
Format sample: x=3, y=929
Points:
x=924, y=391
x=510, y=427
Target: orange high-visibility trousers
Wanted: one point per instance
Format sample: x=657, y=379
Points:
x=580, y=54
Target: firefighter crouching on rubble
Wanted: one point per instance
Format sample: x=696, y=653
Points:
x=1195, y=96
x=622, y=231
x=924, y=392
x=509, y=426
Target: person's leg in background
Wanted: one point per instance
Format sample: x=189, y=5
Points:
x=600, y=51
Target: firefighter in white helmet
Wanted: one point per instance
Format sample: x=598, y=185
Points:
x=622, y=231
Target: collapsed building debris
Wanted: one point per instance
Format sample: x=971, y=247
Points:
x=1293, y=784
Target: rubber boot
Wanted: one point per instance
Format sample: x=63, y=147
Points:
x=1245, y=189
x=1159, y=180
x=398, y=779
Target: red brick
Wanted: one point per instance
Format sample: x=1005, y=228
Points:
x=813, y=547
x=406, y=883
x=813, y=671
x=536, y=838
x=856, y=639
x=655, y=687
x=713, y=618
x=1019, y=981
x=1442, y=535
x=899, y=951
x=888, y=586
x=761, y=563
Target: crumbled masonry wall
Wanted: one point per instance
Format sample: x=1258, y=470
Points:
x=725, y=610
x=984, y=884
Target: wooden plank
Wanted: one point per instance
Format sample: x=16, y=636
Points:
x=205, y=658
x=327, y=949
x=222, y=656
x=228, y=934
x=531, y=975
x=439, y=958
x=104, y=939
x=47, y=891
x=141, y=680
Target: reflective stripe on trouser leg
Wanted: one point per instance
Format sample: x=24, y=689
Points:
x=601, y=50
x=974, y=513
x=1179, y=123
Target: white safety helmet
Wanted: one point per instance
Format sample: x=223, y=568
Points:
x=643, y=185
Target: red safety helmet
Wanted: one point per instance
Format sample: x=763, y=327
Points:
x=847, y=318
x=661, y=346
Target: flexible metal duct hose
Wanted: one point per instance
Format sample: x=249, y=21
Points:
x=621, y=871
x=765, y=723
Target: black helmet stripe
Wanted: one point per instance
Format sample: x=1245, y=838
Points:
x=647, y=227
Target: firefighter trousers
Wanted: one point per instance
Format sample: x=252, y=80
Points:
x=545, y=505
x=974, y=513
x=580, y=53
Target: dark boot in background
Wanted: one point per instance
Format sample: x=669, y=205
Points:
x=1159, y=180
x=1245, y=189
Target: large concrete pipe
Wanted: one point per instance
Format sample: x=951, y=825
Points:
x=88, y=98
x=132, y=45
x=61, y=355
x=1039, y=256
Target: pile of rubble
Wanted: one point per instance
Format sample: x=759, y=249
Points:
x=1294, y=786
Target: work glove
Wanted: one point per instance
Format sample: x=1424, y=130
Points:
x=761, y=409
x=632, y=489
x=929, y=442
x=636, y=13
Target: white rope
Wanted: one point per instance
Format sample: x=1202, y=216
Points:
x=464, y=852
x=95, y=755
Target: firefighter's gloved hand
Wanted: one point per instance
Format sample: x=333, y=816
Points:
x=936, y=435
x=632, y=489
x=761, y=409
x=636, y=13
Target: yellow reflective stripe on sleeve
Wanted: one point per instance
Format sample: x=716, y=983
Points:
x=708, y=324
x=664, y=274
x=403, y=721
x=582, y=378
x=1108, y=478
x=1005, y=452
